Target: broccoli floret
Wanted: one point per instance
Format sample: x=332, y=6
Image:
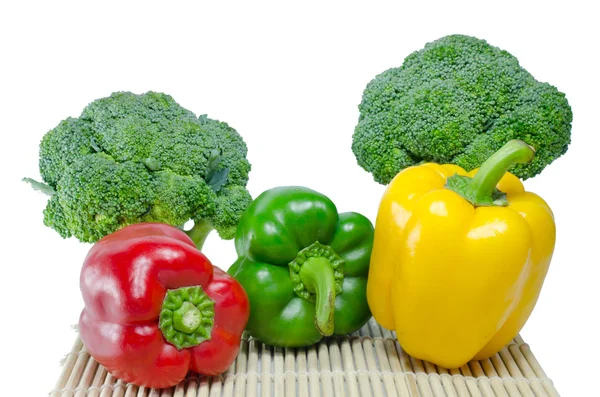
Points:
x=98, y=196
x=458, y=100
x=142, y=158
x=231, y=201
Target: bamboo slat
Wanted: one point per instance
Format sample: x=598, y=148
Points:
x=368, y=363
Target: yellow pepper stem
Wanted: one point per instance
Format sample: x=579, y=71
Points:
x=481, y=189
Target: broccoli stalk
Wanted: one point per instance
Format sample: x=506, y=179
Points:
x=199, y=232
x=458, y=100
x=142, y=158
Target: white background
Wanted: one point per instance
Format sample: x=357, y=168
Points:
x=289, y=79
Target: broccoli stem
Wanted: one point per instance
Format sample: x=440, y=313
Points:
x=200, y=232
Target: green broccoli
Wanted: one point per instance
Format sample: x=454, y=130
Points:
x=142, y=158
x=458, y=100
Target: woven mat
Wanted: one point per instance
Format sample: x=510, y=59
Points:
x=367, y=363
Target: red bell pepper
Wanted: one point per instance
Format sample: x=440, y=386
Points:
x=155, y=307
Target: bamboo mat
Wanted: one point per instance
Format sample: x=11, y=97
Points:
x=367, y=363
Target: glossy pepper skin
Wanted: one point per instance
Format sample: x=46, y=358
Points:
x=304, y=267
x=155, y=307
x=456, y=277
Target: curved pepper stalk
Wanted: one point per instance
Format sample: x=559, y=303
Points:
x=481, y=190
x=317, y=275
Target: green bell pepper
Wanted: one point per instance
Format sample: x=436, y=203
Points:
x=303, y=266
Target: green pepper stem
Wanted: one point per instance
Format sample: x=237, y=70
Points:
x=317, y=276
x=493, y=169
x=200, y=232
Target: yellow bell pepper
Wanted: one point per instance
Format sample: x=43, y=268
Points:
x=459, y=258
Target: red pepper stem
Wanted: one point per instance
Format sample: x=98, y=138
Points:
x=186, y=317
x=317, y=276
x=493, y=169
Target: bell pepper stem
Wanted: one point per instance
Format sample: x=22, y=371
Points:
x=481, y=189
x=200, y=232
x=317, y=276
x=493, y=169
x=186, y=317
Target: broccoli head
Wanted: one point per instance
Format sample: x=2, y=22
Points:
x=458, y=100
x=142, y=158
